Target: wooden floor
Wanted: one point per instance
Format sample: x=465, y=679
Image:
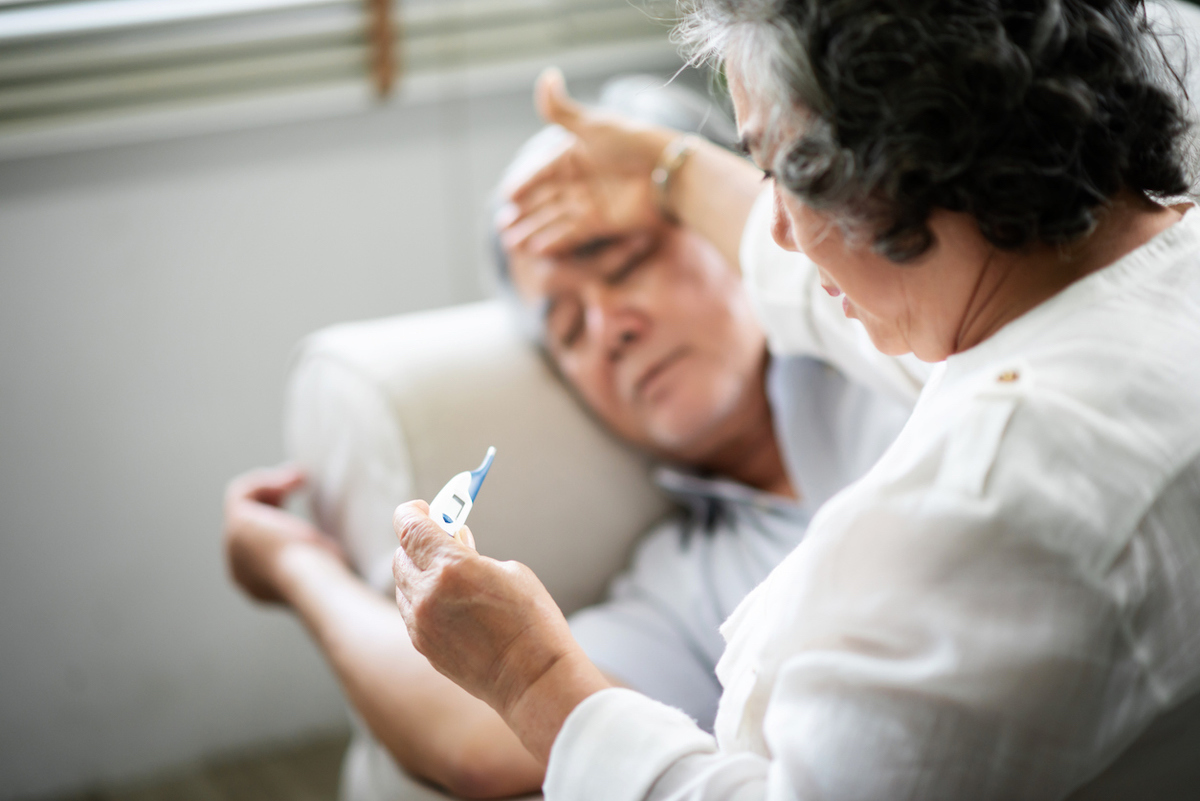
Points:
x=307, y=772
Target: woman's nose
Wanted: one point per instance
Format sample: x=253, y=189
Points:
x=781, y=223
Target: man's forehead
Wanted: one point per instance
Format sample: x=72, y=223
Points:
x=588, y=251
x=531, y=272
x=580, y=256
x=537, y=276
x=593, y=253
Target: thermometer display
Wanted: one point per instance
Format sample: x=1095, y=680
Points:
x=454, y=499
x=450, y=507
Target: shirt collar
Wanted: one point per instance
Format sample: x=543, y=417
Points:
x=690, y=487
x=1157, y=254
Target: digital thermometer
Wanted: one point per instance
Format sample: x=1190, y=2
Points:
x=452, y=505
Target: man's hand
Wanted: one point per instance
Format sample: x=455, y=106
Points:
x=258, y=532
x=598, y=186
x=491, y=627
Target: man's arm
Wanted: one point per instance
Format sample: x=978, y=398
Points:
x=432, y=728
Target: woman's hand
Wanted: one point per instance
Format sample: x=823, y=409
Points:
x=491, y=627
x=258, y=532
x=598, y=186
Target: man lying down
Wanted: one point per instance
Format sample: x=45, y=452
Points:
x=652, y=332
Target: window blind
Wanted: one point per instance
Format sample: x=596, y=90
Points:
x=70, y=63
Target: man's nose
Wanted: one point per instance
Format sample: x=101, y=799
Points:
x=615, y=324
x=781, y=223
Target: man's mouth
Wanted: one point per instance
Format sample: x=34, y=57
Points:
x=645, y=382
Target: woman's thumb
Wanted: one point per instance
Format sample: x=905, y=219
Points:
x=553, y=102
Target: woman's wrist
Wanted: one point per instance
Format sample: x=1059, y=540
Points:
x=671, y=161
x=538, y=714
x=651, y=141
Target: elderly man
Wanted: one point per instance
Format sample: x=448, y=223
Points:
x=653, y=333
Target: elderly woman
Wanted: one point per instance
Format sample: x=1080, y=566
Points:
x=652, y=332
x=1005, y=606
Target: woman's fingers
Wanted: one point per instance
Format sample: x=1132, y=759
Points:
x=554, y=104
x=465, y=536
x=572, y=217
x=546, y=194
x=404, y=571
x=526, y=189
x=402, y=602
x=491, y=627
x=517, y=236
x=421, y=539
x=515, y=218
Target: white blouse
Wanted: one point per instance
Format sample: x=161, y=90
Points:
x=1007, y=606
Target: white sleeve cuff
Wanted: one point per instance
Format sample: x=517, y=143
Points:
x=616, y=744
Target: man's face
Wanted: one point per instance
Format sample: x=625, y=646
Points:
x=654, y=332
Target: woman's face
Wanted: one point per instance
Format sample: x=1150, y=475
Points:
x=655, y=333
x=869, y=285
x=916, y=307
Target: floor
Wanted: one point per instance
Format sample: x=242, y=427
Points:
x=306, y=772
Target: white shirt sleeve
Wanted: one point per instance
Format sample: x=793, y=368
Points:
x=800, y=318
x=647, y=750
x=1005, y=683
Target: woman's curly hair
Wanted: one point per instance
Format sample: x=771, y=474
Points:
x=1027, y=114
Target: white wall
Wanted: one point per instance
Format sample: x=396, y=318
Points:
x=149, y=299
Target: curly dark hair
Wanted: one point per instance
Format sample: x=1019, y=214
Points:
x=1027, y=114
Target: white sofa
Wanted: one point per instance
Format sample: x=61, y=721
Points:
x=384, y=411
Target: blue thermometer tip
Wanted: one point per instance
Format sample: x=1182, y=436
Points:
x=481, y=472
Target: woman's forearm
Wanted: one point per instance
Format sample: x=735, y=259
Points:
x=431, y=726
x=538, y=716
x=712, y=193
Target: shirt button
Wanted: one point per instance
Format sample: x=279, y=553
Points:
x=1008, y=377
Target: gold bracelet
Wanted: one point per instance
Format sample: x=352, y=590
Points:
x=669, y=161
